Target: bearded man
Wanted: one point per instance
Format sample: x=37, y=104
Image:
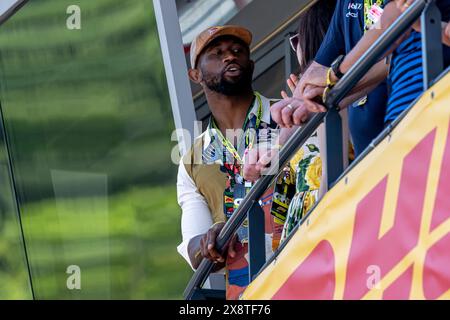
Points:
x=211, y=182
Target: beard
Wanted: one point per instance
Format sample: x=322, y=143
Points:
x=229, y=87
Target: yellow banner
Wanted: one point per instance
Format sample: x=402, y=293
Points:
x=383, y=232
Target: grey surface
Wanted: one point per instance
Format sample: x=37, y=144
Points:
x=176, y=70
x=433, y=60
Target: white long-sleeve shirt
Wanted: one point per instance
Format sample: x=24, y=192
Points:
x=197, y=217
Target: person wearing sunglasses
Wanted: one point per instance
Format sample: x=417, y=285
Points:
x=366, y=116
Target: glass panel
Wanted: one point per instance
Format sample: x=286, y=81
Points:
x=14, y=277
x=87, y=110
x=197, y=15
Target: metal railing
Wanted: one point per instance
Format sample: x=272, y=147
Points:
x=432, y=68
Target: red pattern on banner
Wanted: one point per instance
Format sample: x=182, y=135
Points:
x=436, y=270
x=400, y=289
x=385, y=252
x=442, y=204
x=314, y=278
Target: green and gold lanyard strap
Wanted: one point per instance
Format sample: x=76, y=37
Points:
x=249, y=144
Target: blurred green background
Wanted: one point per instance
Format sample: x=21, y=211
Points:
x=88, y=125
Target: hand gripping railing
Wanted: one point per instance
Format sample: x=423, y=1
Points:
x=432, y=68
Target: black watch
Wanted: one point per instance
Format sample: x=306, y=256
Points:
x=336, y=65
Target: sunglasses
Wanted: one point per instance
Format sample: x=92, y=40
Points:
x=294, y=42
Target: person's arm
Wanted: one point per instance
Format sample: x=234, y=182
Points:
x=390, y=14
x=371, y=80
x=196, y=218
x=300, y=110
x=315, y=80
x=316, y=75
x=202, y=246
x=259, y=159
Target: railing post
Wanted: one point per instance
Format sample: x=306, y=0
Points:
x=433, y=59
x=256, y=240
x=334, y=147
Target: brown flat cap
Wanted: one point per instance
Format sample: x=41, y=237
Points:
x=207, y=36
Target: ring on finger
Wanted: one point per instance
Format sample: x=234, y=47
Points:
x=290, y=107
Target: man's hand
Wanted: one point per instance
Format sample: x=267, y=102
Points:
x=312, y=94
x=208, y=245
x=315, y=75
x=252, y=170
x=293, y=111
x=257, y=160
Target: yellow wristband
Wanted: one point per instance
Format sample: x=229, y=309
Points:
x=330, y=83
